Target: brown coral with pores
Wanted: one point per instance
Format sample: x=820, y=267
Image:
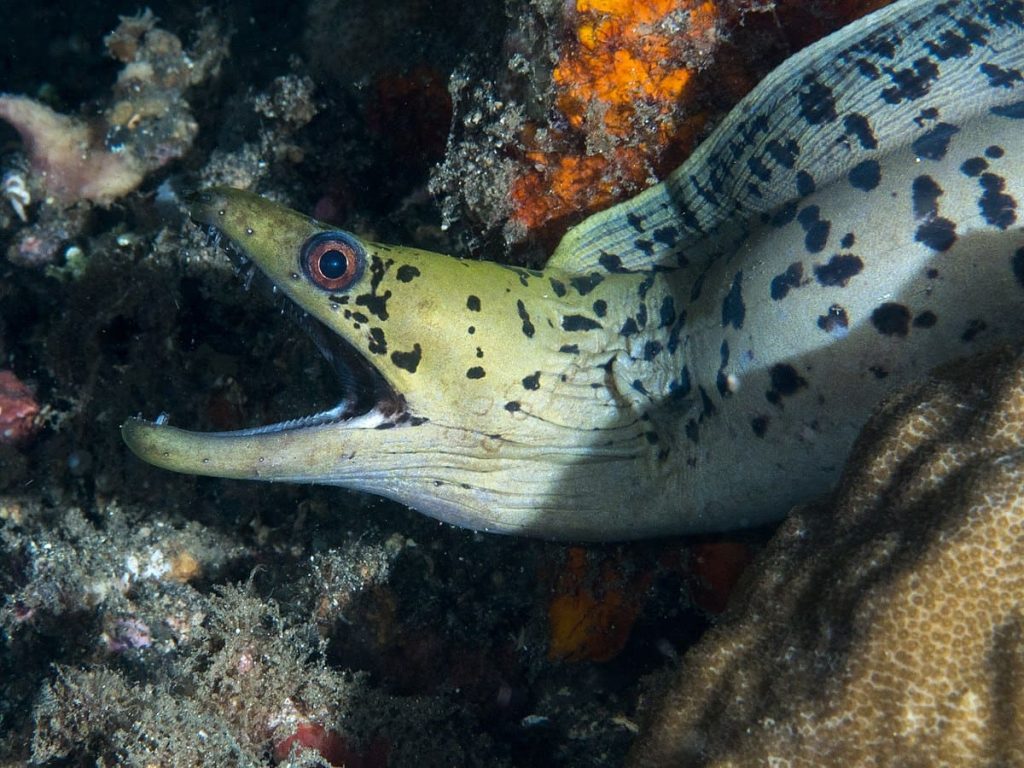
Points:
x=885, y=626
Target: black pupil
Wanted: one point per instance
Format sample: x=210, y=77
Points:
x=333, y=264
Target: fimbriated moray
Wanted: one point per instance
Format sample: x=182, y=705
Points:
x=698, y=358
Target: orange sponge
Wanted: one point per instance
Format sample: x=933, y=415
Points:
x=621, y=84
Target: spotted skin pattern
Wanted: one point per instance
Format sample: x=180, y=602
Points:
x=700, y=357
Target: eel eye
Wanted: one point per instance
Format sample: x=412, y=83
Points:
x=333, y=260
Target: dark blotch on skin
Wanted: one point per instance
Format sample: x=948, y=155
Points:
x=667, y=312
x=839, y=270
x=859, y=126
x=934, y=144
x=528, y=329
x=783, y=153
x=532, y=382
x=675, y=331
x=679, y=389
x=407, y=273
x=867, y=68
x=815, y=228
x=600, y=307
x=847, y=241
x=791, y=278
x=835, y=320
x=666, y=236
x=926, y=319
x=376, y=304
x=865, y=175
x=784, y=215
x=974, y=327
x=579, y=323
x=925, y=193
x=1017, y=263
x=994, y=151
x=817, y=102
x=1014, y=111
x=408, y=361
x=804, y=183
x=586, y=283
x=759, y=424
x=476, y=372
x=378, y=344
x=891, y=319
x=645, y=246
x=938, y=234
x=733, y=308
x=911, y=83
x=758, y=168
x=473, y=304
x=612, y=262
x=785, y=381
x=569, y=349
x=999, y=77
x=973, y=166
x=950, y=45
x=651, y=350
x=557, y=286
x=707, y=406
x=512, y=406
x=998, y=208
x=878, y=371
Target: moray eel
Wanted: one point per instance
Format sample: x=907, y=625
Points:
x=698, y=358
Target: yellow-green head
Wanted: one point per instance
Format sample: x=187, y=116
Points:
x=483, y=394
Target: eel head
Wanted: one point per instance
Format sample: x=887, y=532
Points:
x=459, y=399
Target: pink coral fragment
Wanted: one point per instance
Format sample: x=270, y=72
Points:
x=67, y=160
x=18, y=409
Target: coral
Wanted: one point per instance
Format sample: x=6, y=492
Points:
x=65, y=156
x=592, y=611
x=331, y=746
x=883, y=626
x=98, y=159
x=18, y=409
x=623, y=86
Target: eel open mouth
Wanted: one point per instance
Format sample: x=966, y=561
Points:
x=364, y=389
x=266, y=242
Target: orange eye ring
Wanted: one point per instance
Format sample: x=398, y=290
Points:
x=333, y=260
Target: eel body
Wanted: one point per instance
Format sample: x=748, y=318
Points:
x=698, y=358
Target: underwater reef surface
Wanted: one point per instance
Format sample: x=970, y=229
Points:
x=149, y=618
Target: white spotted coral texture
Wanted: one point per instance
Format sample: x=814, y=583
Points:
x=886, y=626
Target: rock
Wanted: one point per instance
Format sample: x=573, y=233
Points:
x=884, y=626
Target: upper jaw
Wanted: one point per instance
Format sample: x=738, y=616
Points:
x=367, y=397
